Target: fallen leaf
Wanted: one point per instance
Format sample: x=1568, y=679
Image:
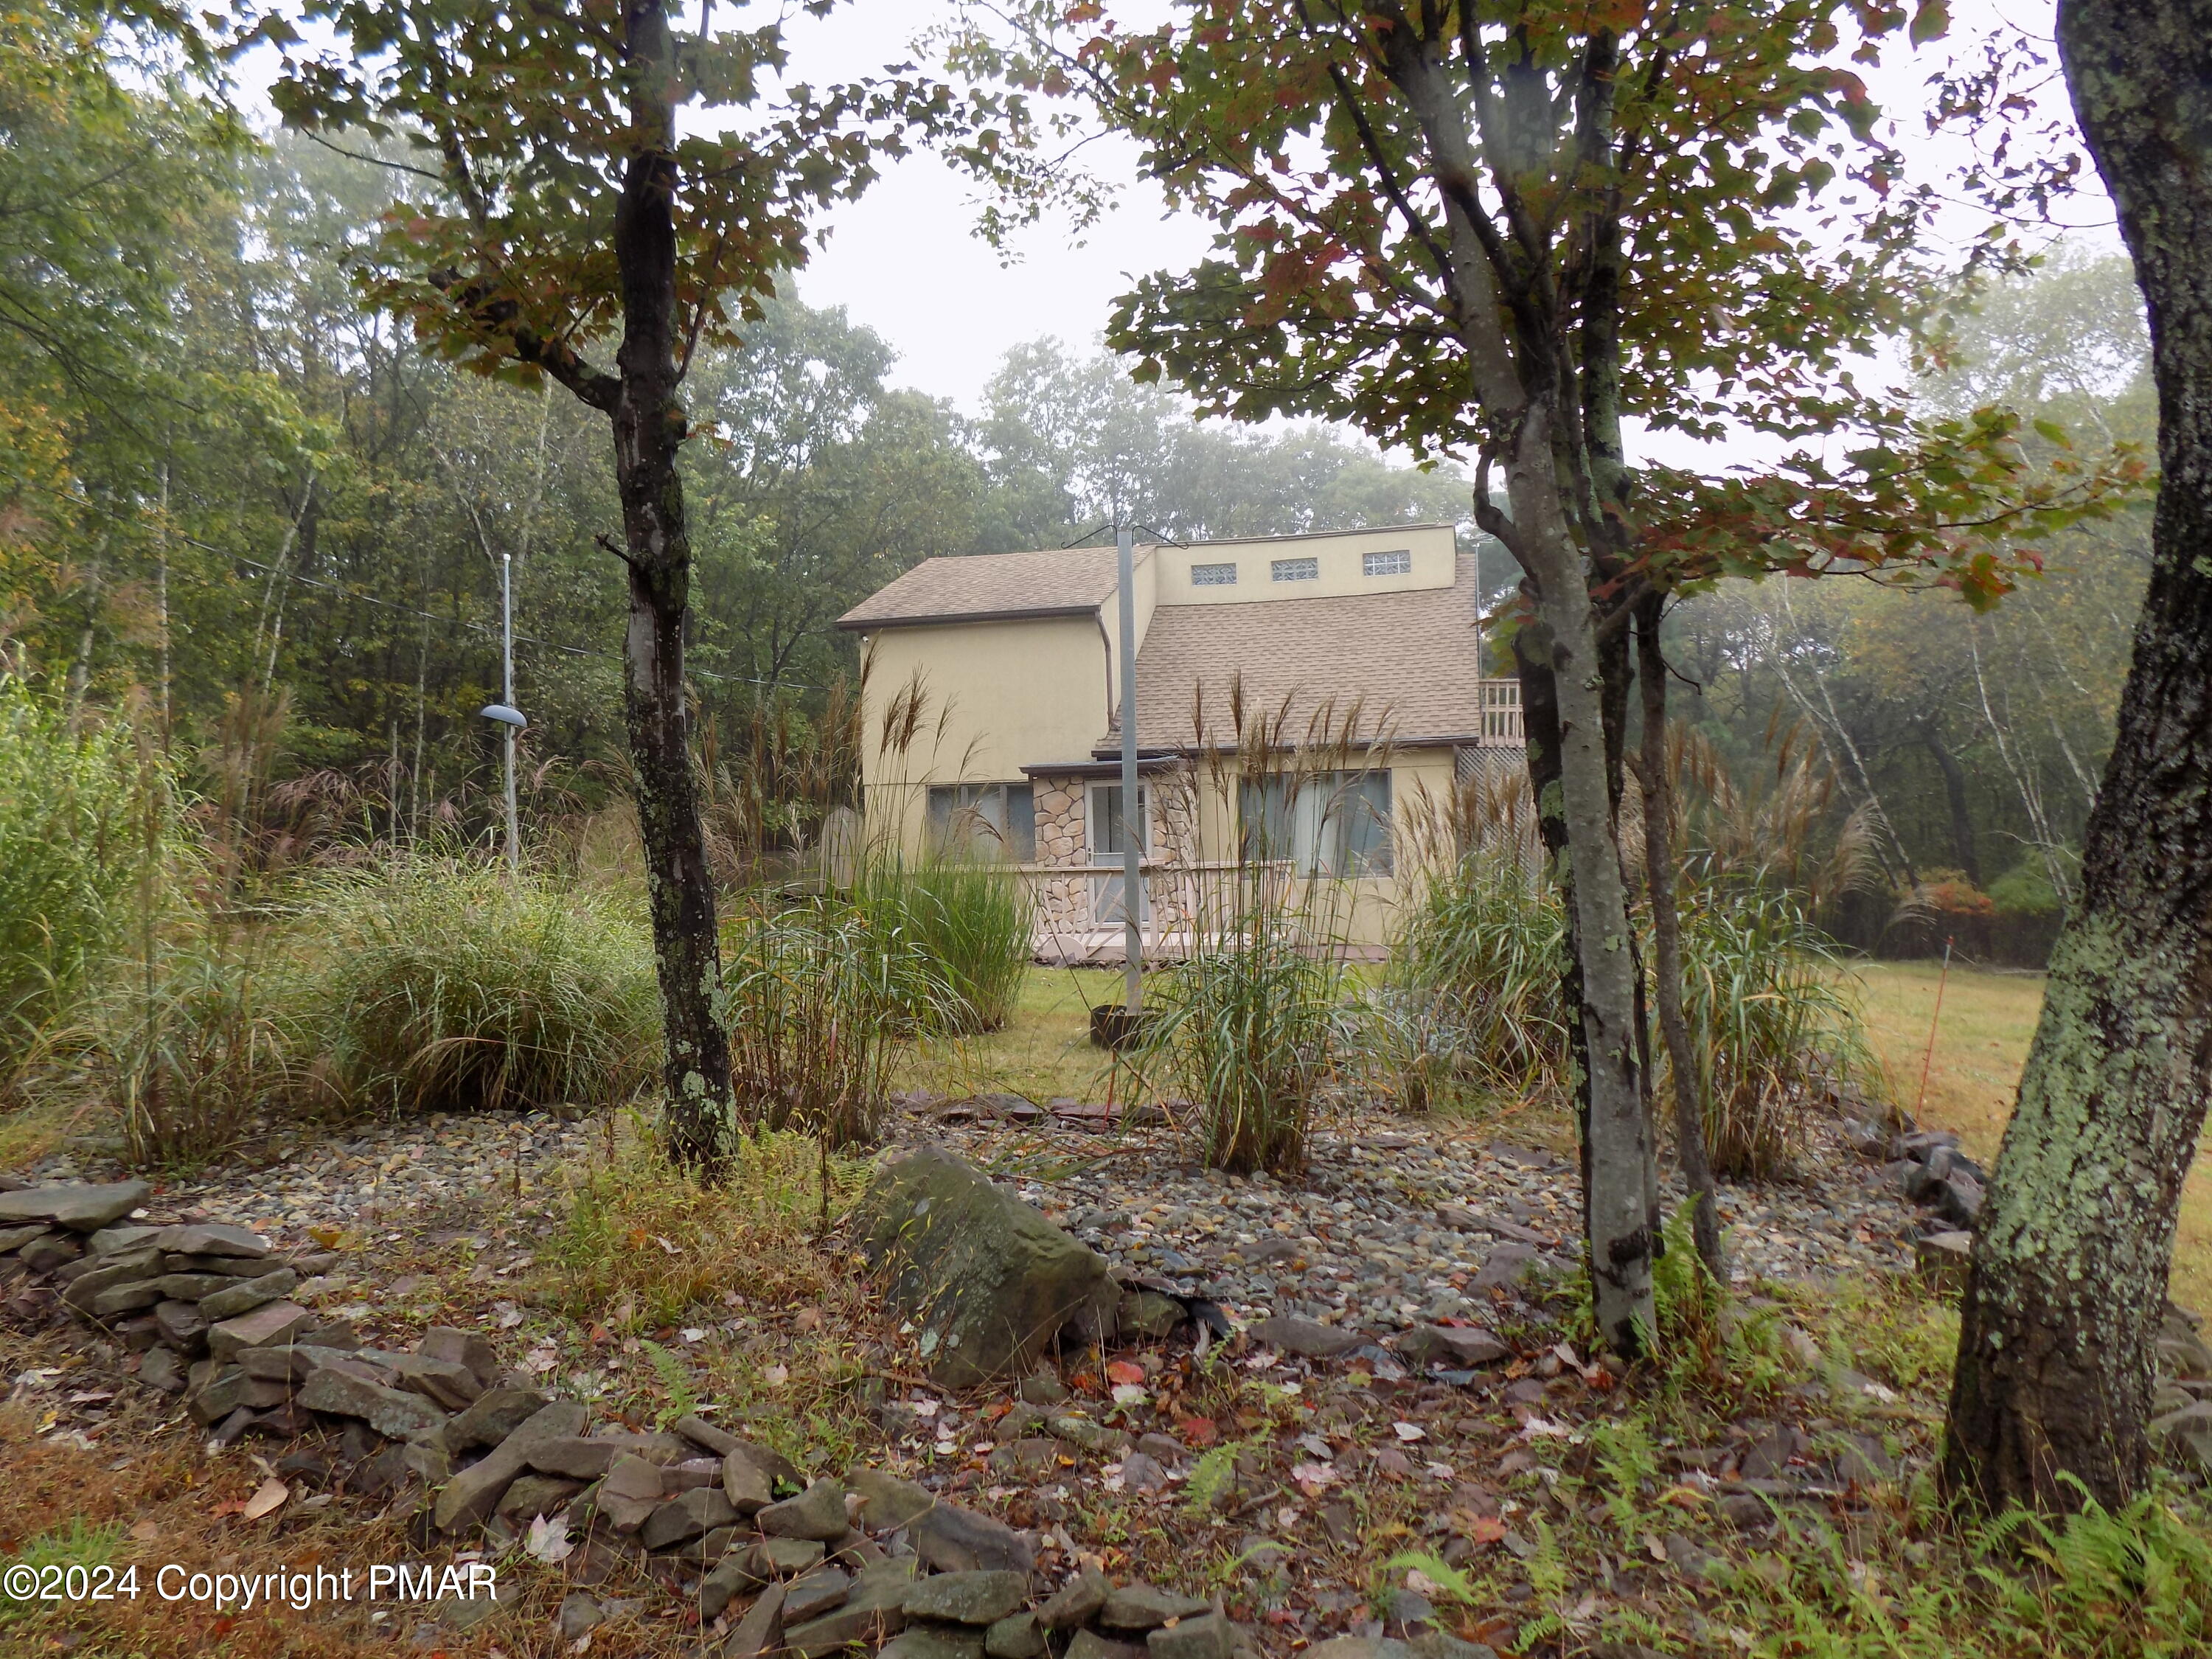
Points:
x=1409, y=1431
x=326, y=1237
x=270, y=1498
x=1199, y=1431
x=776, y=1375
x=1129, y=1394
x=1487, y=1529
x=1120, y=1370
x=146, y=1531
x=548, y=1539
x=1655, y=1549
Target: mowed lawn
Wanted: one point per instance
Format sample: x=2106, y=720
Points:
x=1981, y=1043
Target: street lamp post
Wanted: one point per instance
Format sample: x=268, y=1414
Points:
x=510, y=718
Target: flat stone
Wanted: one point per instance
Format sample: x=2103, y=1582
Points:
x=1143, y=1472
x=887, y=1501
x=1359, y=1647
x=49, y=1252
x=578, y=1457
x=1043, y=1388
x=395, y=1415
x=1148, y=1314
x=966, y=1598
x=1018, y=1636
x=1143, y=1607
x=182, y=1326
x=452, y=1385
x=1031, y=1458
x=113, y=1241
x=270, y=1325
x=950, y=1539
x=161, y=1368
x=745, y=1484
x=1076, y=1602
x=681, y=1519
x=294, y=1362
x=813, y=1593
x=1089, y=1644
x=218, y=1396
x=704, y=1435
x=629, y=1494
x=493, y=1416
x=1506, y=1264
x=119, y=1299
x=84, y=1209
x=871, y=1611
x=1305, y=1338
x=128, y=1267
x=13, y=1238
x=243, y=1296
x=580, y=1614
x=470, y=1496
x=1454, y=1344
x=211, y=1238
x=660, y=1449
x=789, y=1557
x=936, y=1644
x=761, y=1630
x=817, y=1512
x=737, y=1573
x=1209, y=1637
x=463, y=1348
x=532, y=1495
x=1082, y=1431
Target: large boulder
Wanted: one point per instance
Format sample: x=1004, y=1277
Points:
x=986, y=1278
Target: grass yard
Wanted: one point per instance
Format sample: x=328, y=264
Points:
x=1042, y=1053
x=1981, y=1043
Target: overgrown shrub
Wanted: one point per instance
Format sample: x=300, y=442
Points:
x=968, y=922
x=820, y=995
x=438, y=984
x=83, y=808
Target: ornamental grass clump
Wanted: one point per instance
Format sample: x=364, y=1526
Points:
x=966, y=922
x=820, y=997
x=430, y=984
x=1250, y=1024
x=1770, y=1023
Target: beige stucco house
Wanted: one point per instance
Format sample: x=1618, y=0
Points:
x=997, y=678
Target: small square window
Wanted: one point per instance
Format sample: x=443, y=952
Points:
x=1213, y=575
x=1397, y=563
x=1295, y=570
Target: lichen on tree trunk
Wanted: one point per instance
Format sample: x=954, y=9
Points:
x=2055, y=1370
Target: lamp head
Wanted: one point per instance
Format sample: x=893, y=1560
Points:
x=504, y=715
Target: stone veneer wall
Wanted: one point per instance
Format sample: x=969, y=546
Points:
x=1063, y=902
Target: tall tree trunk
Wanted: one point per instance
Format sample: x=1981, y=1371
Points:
x=1575, y=792
x=2055, y=1375
x=649, y=428
x=1955, y=793
x=1658, y=786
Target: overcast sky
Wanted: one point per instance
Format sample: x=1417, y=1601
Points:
x=904, y=259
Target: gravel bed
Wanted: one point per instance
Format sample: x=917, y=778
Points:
x=1392, y=1225
x=1396, y=1219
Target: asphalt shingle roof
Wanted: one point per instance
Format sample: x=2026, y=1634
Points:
x=1411, y=658
x=983, y=586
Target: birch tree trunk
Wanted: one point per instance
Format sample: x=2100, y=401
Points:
x=2055, y=1368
